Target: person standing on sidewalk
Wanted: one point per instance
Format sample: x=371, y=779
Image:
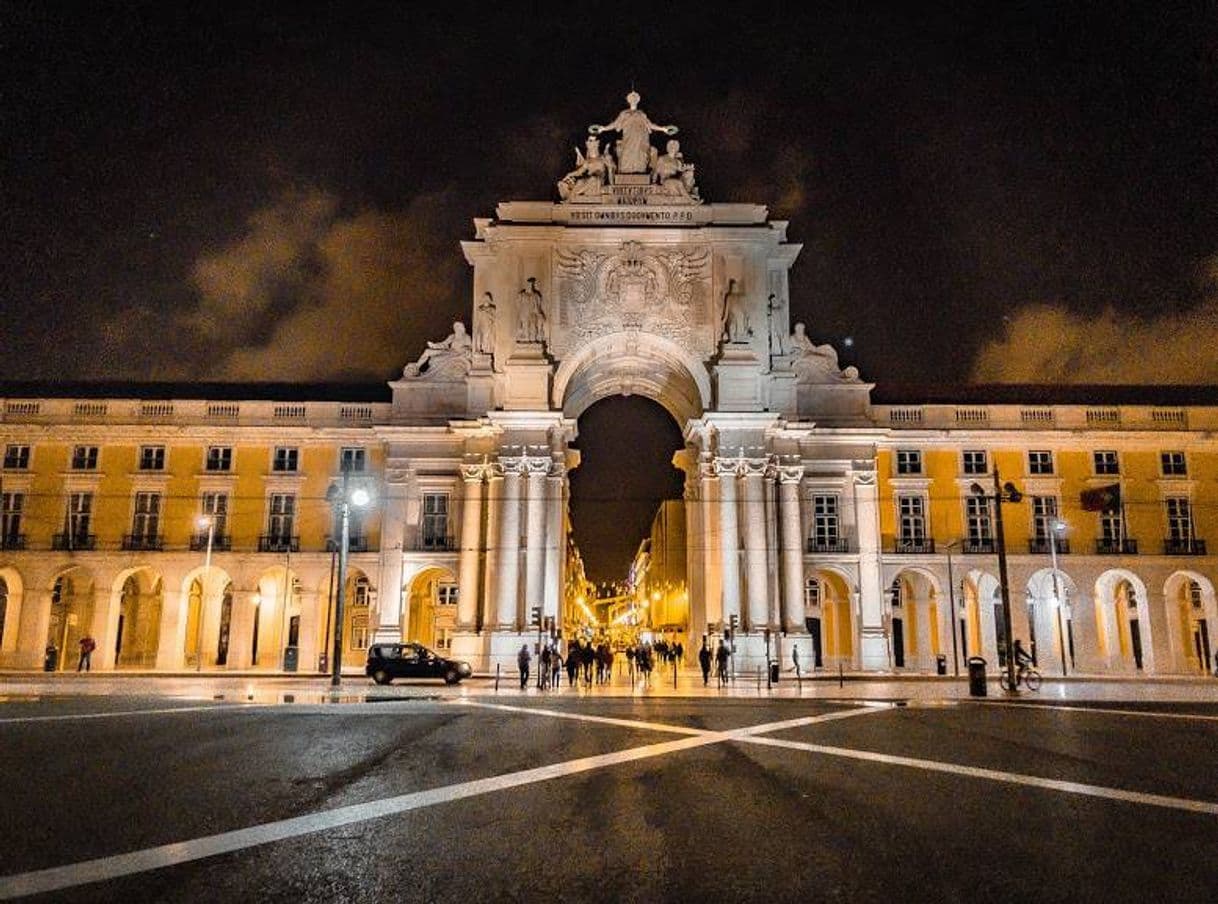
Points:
x=522, y=660
x=795, y=658
x=87, y=646
x=704, y=660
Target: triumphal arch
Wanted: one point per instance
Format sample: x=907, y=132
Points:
x=633, y=283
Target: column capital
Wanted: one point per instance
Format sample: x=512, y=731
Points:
x=512, y=464
x=790, y=474
x=475, y=473
x=537, y=465
x=726, y=467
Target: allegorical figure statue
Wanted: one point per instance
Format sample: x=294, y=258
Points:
x=778, y=328
x=484, y=326
x=450, y=356
x=589, y=175
x=812, y=359
x=673, y=174
x=531, y=322
x=735, y=315
x=634, y=152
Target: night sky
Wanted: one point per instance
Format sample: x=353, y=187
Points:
x=243, y=192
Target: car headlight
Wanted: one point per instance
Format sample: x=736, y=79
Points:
x=464, y=669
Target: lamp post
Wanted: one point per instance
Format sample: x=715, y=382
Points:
x=344, y=499
x=1003, y=493
x=951, y=601
x=1057, y=525
x=210, y=524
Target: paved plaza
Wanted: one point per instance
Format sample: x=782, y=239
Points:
x=193, y=789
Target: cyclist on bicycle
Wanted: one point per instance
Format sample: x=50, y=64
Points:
x=1023, y=659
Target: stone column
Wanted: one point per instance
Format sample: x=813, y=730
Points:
x=873, y=646
x=925, y=651
x=494, y=506
x=241, y=630
x=708, y=537
x=34, y=624
x=509, y=545
x=757, y=584
x=171, y=633
x=471, y=541
x=535, y=535
x=106, y=605
x=729, y=539
x=789, y=477
x=310, y=638
x=554, y=542
x=389, y=596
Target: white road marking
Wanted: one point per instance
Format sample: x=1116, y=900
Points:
x=106, y=868
x=1150, y=714
x=1013, y=778
x=70, y=717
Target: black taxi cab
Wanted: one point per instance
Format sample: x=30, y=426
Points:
x=387, y=661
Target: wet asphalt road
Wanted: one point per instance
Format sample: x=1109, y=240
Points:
x=724, y=820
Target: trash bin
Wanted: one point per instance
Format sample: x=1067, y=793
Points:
x=940, y=665
x=773, y=673
x=976, y=676
x=51, y=662
x=291, y=658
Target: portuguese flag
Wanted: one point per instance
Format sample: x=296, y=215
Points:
x=1102, y=499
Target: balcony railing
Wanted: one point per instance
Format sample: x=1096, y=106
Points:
x=278, y=543
x=12, y=541
x=1183, y=547
x=219, y=542
x=1116, y=547
x=435, y=544
x=841, y=544
x=151, y=542
x=74, y=541
x=1042, y=546
x=354, y=544
x=978, y=547
x=923, y=546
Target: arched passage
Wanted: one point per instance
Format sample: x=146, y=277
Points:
x=137, y=631
x=1191, y=618
x=914, y=619
x=1123, y=621
x=71, y=617
x=431, y=607
x=12, y=593
x=276, y=605
x=829, y=618
x=1051, y=598
x=208, y=601
x=983, y=625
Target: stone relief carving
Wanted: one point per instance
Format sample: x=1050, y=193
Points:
x=601, y=292
x=448, y=358
x=531, y=316
x=817, y=363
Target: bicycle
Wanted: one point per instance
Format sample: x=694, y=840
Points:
x=1025, y=675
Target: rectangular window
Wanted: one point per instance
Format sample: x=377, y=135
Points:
x=146, y=523
x=825, y=521
x=13, y=506
x=1179, y=520
x=1194, y=594
x=80, y=515
x=446, y=595
x=84, y=458
x=1106, y=463
x=909, y=461
x=219, y=458
x=1112, y=529
x=16, y=458
x=1174, y=464
x=359, y=632
x=152, y=458
x=1040, y=462
x=976, y=461
x=282, y=517
x=812, y=593
x=353, y=459
x=435, y=520
x=1044, y=516
x=287, y=459
x=912, y=511
x=215, y=508
x=977, y=517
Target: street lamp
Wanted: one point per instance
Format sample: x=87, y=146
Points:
x=210, y=524
x=951, y=601
x=343, y=500
x=1054, y=526
x=1003, y=493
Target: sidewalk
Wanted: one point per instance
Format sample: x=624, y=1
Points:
x=264, y=687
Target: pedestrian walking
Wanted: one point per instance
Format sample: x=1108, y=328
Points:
x=572, y=663
x=543, y=668
x=704, y=660
x=523, y=658
x=721, y=663
x=87, y=646
x=795, y=658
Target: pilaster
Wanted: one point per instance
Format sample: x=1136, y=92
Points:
x=508, y=545
x=729, y=542
x=471, y=537
x=789, y=478
x=873, y=643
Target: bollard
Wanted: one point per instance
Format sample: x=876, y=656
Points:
x=758, y=678
x=497, y=667
x=769, y=684
x=674, y=673
x=840, y=679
